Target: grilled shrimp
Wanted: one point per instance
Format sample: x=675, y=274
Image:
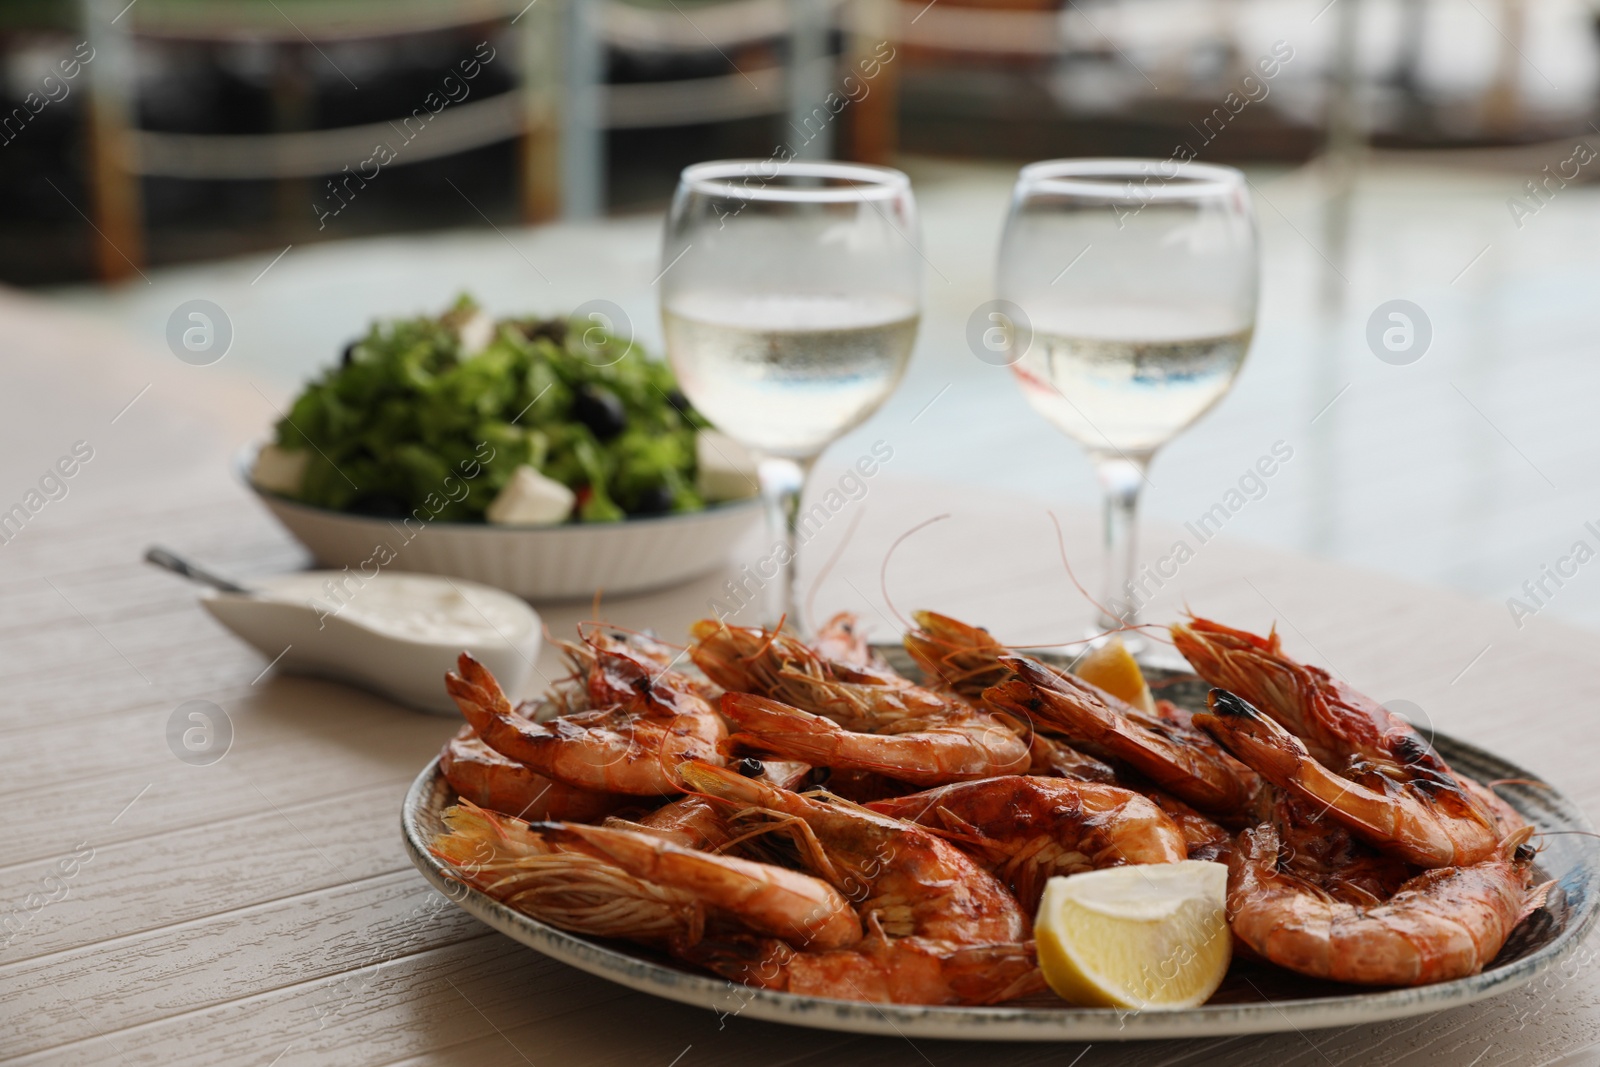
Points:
x=607, y=667
x=909, y=881
x=779, y=667
x=965, y=658
x=1204, y=838
x=940, y=929
x=951, y=745
x=846, y=649
x=485, y=777
x=881, y=969
x=609, y=882
x=1326, y=854
x=503, y=858
x=1026, y=830
x=801, y=909
x=968, y=660
x=1052, y=757
x=1182, y=762
x=1331, y=718
x=1428, y=820
x=1442, y=924
x=630, y=748
x=694, y=821
x=1350, y=734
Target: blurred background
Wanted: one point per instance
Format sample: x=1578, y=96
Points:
x=309, y=165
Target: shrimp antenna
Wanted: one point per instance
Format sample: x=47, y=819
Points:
x=1157, y=634
x=1517, y=781
x=1555, y=833
x=1061, y=542
x=827, y=568
x=770, y=638
x=883, y=571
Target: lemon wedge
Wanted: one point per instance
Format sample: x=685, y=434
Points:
x=1112, y=667
x=1146, y=937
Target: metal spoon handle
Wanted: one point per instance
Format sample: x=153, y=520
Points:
x=169, y=560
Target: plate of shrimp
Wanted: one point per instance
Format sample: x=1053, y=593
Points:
x=849, y=836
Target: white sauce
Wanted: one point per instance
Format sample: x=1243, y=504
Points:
x=412, y=607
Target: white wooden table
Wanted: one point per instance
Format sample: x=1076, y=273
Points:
x=260, y=910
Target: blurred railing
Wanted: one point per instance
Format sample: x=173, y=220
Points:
x=1093, y=57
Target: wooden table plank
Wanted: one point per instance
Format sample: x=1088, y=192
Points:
x=323, y=930
x=215, y=867
x=172, y=795
x=382, y=1012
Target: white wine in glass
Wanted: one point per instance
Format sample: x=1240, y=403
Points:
x=790, y=297
x=783, y=374
x=1139, y=280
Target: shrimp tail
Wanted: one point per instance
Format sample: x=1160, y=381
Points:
x=476, y=692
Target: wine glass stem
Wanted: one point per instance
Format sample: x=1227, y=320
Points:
x=1121, y=478
x=783, y=481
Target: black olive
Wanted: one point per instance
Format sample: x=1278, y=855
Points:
x=751, y=767
x=349, y=354
x=679, y=402
x=599, y=409
x=656, y=500
x=554, y=329
x=380, y=506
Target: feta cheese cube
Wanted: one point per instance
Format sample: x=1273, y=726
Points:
x=726, y=469
x=278, y=470
x=476, y=333
x=531, y=499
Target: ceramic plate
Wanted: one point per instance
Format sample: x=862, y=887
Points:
x=1254, y=999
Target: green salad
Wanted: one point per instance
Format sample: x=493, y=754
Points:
x=415, y=417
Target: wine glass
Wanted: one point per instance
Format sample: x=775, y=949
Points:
x=1134, y=284
x=790, y=295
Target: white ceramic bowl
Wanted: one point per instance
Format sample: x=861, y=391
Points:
x=316, y=639
x=535, y=562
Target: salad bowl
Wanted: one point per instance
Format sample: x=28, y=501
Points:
x=569, y=561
